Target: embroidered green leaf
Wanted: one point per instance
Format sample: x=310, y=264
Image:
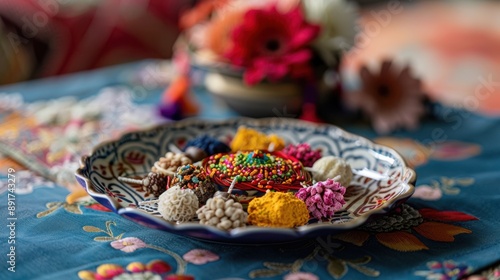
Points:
x=92, y=229
x=451, y=190
x=54, y=204
x=297, y=265
x=264, y=273
x=337, y=268
x=108, y=227
x=48, y=211
x=73, y=208
x=465, y=181
x=365, y=270
x=104, y=238
x=278, y=266
x=362, y=260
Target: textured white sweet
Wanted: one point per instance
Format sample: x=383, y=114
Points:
x=178, y=204
x=223, y=214
x=330, y=167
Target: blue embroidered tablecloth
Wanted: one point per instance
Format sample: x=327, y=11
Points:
x=447, y=229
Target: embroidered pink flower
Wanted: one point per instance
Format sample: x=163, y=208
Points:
x=200, y=256
x=128, y=244
x=271, y=44
x=323, y=199
x=300, y=276
x=427, y=193
x=390, y=98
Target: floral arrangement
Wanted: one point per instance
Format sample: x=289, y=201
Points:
x=300, y=42
x=271, y=40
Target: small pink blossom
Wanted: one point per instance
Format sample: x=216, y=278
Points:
x=300, y=276
x=426, y=192
x=200, y=256
x=128, y=244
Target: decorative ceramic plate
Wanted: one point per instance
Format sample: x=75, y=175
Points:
x=381, y=180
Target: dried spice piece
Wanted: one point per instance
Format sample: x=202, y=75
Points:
x=193, y=177
x=178, y=205
x=223, y=214
x=303, y=153
x=323, y=199
x=170, y=162
x=277, y=209
x=153, y=183
x=250, y=139
x=330, y=167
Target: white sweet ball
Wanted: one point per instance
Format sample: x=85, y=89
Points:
x=329, y=167
x=178, y=204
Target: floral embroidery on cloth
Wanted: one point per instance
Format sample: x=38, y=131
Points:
x=154, y=270
x=131, y=244
x=325, y=250
x=447, y=270
x=398, y=230
x=445, y=185
x=73, y=204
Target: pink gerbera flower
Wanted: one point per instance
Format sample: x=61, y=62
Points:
x=271, y=44
x=392, y=98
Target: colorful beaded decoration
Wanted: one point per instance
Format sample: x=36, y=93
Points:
x=258, y=169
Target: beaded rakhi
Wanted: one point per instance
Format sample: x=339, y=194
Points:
x=257, y=170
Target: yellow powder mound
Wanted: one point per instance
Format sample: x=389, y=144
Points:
x=277, y=209
x=249, y=139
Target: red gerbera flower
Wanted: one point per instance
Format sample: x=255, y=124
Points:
x=272, y=44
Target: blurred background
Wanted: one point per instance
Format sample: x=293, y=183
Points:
x=453, y=46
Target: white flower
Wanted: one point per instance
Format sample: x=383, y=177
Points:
x=337, y=19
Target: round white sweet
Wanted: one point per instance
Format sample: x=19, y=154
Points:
x=178, y=204
x=330, y=167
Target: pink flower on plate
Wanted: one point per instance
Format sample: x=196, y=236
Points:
x=390, y=98
x=300, y=276
x=272, y=44
x=128, y=244
x=323, y=199
x=200, y=256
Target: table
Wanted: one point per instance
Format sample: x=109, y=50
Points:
x=54, y=231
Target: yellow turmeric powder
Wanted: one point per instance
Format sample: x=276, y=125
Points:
x=277, y=209
x=251, y=139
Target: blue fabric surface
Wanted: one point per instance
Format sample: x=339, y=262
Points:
x=57, y=246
